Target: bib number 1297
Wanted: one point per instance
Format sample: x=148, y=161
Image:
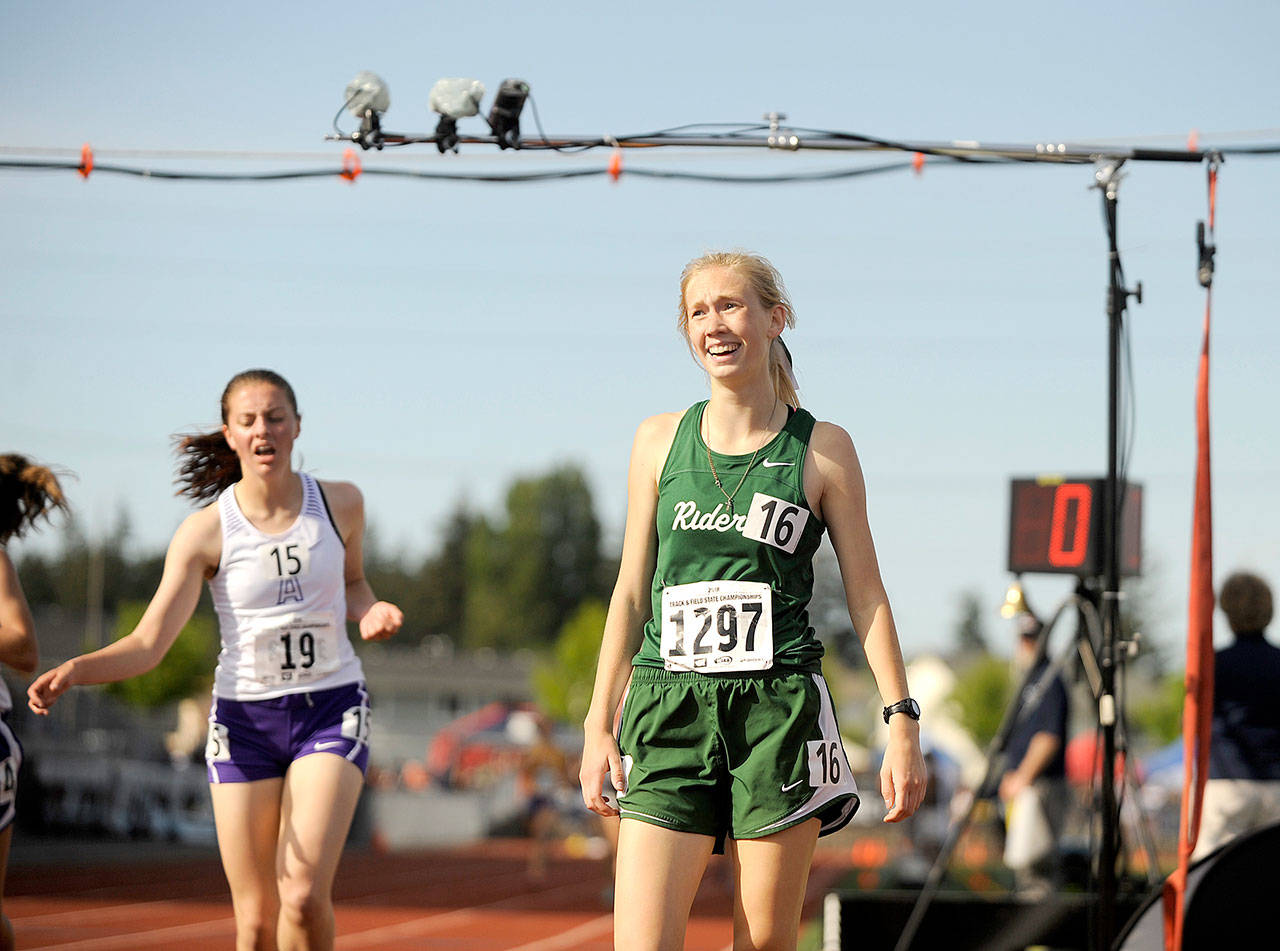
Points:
x=717, y=626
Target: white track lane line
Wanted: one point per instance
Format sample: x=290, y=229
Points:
x=429, y=923
x=164, y=937
x=567, y=939
x=110, y=912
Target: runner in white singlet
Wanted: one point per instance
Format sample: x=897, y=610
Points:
x=289, y=724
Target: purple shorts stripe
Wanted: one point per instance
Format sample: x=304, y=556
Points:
x=259, y=739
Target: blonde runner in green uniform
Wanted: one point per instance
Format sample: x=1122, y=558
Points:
x=727, y=730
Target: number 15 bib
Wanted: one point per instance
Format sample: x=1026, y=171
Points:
x=716, y=627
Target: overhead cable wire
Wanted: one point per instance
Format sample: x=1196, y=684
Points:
x=490, y=177
x=743, y=136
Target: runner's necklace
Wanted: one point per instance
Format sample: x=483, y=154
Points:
x=750, y=462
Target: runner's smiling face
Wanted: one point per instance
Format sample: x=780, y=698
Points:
x=729, y=330
x=261, y=427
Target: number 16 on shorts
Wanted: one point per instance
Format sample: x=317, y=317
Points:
x=827, y=765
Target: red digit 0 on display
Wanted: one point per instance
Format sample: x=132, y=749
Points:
x=1072, y=555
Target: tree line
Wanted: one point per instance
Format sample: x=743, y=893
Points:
x=529, y=576
x=500, y=581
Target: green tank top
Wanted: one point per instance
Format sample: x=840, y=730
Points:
x=769, y=538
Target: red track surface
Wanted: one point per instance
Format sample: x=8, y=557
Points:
x=477, y=898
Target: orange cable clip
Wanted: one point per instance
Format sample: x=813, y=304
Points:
x=615, y=164
x=917, y=163
x=1193, y=141
x=86, y=161
x=350, y=166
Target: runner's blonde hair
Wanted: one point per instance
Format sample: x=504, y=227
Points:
x=767, y=284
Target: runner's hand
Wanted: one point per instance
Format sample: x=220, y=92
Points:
x=48, y=687
x=903, y=777
x=381, y=621
x=601, y=763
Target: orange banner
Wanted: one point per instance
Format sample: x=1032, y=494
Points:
x=1197, y=713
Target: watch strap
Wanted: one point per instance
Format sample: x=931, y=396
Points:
x=907, y=706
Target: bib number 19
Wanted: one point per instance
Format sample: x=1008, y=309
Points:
x=306, y=651
x=296, y=649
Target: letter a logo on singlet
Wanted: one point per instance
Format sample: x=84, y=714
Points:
x=290, y=590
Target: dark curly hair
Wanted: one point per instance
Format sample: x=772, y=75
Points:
x=28, y=492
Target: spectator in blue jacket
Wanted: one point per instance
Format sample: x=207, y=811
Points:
x=1033, y=787
x=1243, y=789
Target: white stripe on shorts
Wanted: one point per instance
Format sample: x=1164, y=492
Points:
x=361, y=741
x=826, y=794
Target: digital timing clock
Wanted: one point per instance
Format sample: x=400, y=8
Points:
x=1055, y=526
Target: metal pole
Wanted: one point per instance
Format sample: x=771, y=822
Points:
x=1108, y=178
x=1025, y=699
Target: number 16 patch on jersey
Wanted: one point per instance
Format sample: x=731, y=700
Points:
x=775, y=522
x=715, y=627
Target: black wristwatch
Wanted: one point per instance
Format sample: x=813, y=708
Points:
x=908, y=706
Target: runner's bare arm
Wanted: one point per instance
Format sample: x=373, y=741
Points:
x=842, y=504
x=17, y=631
x=629, y=608
x=378, y=620
x=192, y=556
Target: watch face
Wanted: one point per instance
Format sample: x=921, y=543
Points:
x=907, y=706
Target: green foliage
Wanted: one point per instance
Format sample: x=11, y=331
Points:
x=563, y=683
x=829, y=611
x=1158, y=716
x=488, y=618
x=505, y=582
x=432, y=593
x=441, y=582
x=64, y=579
x=185, y=669
x=971, y=635
x=983, y=689
x=525, y=578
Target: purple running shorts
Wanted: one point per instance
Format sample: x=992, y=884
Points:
x=258, y=739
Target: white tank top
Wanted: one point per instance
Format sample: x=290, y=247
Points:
x=281, y=603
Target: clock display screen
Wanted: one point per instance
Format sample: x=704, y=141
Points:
x=1055, y=526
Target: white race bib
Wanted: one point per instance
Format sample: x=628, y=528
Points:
x=775, y=522
x=716, y=627
x=296, y=649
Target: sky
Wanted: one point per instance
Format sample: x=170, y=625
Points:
x=445, y=338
